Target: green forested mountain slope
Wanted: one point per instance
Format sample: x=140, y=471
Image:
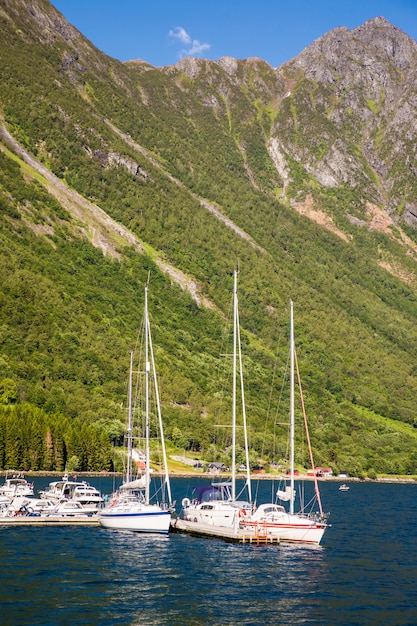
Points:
x=304, y=179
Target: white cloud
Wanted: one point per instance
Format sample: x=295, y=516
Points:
x=197, y=48
x=181, y=34
x=194, y=47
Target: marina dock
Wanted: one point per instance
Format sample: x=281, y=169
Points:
x=48, y=520
x=240, y=535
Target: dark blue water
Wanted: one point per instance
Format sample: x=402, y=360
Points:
x=364, y=572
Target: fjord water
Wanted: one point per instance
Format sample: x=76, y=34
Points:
x=363, y=573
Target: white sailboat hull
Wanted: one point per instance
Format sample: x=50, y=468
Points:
x=142, y=518
x=271, y=520
x=291, y=532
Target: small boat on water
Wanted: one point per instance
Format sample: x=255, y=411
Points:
x=133, y=507
x=16, y=485
x=344, y=487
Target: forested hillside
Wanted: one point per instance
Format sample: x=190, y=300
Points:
x=303, y=176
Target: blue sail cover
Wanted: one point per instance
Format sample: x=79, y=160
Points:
x=211, y=493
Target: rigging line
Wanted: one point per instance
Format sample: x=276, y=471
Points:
x=159, y=413
x=281, y=400
x=274, y=375
x=316, y=484
x=221, y=375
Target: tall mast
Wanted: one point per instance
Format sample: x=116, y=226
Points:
x=245, y=429
x=292, y=406
x=161, y=428
x=129, y=424
x=147, y=369
x=234, y=388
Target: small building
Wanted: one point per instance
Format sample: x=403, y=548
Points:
x=216, y=467
x=323, y=472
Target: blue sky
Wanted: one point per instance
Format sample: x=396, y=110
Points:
x=161, y=32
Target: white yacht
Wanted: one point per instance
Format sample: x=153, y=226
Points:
x=17, y=485
x=77, y=491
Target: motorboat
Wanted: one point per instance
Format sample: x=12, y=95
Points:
x=42, y=507
x=344, y=487
x=87, y=495
x=81, y=492
x=71, y=508
x=17, y=485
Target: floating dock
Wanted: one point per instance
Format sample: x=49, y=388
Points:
x=240, y=535
x=49, y=520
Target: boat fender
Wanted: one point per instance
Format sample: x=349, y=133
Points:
x=242, y=513
x=185, y=502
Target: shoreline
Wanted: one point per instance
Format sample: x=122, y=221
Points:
x=223, y=476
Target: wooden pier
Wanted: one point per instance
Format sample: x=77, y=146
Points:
x=239, y=535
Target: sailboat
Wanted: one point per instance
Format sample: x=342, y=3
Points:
x=132, y=507
x=273, y=519
x=218, y=506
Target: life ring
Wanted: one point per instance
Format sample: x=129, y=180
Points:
x=186, y=503
x=242, y=513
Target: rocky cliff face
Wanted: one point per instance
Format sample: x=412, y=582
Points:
x=352, y=112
